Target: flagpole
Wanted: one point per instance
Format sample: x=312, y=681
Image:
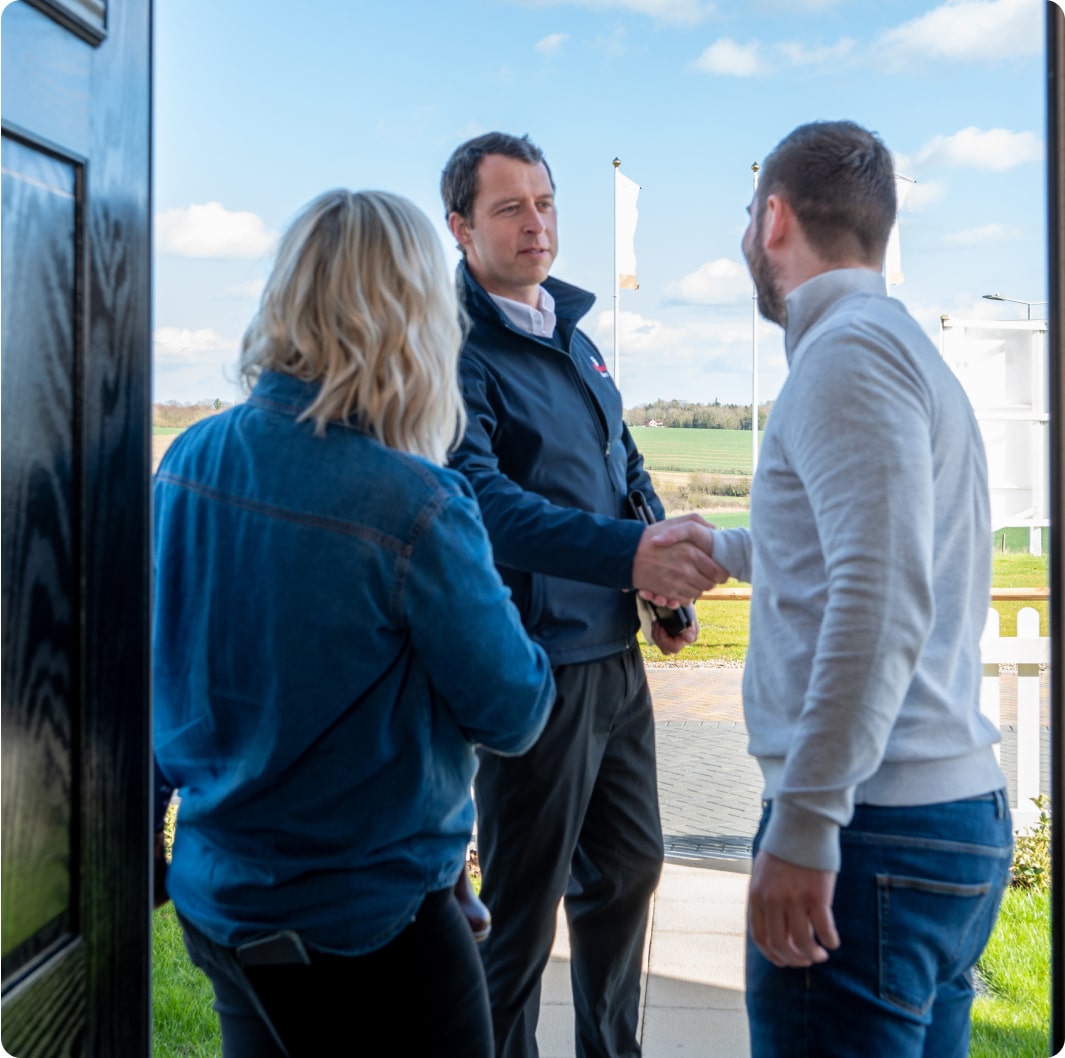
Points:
x=754, y=347
x=617, y=282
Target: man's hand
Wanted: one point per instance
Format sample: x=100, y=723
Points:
x=673, y=563
x=674, y=644
x=789, y=911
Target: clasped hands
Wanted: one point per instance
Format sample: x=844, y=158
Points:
x=673, y=566
x=674, y=563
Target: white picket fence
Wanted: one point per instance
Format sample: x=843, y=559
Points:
x=1027, y=650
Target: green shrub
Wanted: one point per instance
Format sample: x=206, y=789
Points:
x=1031, y=851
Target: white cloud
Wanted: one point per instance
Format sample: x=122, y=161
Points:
x=968, y=30
x=194, y=365
x=925, y=193
x=731, y=59
x=704, y=340
x=800, y=55
x=973, y=148
x=703, y=359
x=983, y=234
x=791, y=6
x=208, y=229
x=637, y=334
x=182, y=345
x=550, y=44
x=720, y=282
x=680, y=12
x=727, y=57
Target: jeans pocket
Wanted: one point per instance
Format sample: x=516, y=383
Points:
x=929, y=932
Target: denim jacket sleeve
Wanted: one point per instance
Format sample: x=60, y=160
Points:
x=528, y=531
x=495, y=680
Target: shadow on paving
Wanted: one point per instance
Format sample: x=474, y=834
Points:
x=683, y=1019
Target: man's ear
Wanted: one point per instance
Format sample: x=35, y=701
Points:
x=459, y=228
x=777, y=220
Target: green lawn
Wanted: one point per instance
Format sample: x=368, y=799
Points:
x=183, y=1023
x=167, y=431
x=713, y=451
x=723, y=623
x=729, y=519
x=1011, y=1015
x=1019, y=570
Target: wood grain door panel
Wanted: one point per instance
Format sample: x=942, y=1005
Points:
x=75, y=388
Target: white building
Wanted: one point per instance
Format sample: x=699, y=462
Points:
x=1003, y=367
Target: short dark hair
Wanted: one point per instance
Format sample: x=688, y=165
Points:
x=458, y=182
x=840, y=180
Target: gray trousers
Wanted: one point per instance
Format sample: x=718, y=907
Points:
x=577, y=818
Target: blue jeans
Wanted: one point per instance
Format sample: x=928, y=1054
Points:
x=915, y=902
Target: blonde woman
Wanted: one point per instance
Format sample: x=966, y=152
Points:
x=331, y=640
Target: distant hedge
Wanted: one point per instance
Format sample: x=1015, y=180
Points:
x=174, y=413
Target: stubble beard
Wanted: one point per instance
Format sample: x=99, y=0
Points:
x=770, y=299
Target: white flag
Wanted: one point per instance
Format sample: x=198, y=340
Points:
x=625, y=216
x=893, y=257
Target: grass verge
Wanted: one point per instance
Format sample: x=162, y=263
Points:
x=1011, y=1015
x=183, y=1023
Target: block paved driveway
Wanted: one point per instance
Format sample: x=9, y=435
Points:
x=710, y=790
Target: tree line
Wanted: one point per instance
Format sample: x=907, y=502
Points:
x=683, y=413
x=174, y=413
x=687, y=414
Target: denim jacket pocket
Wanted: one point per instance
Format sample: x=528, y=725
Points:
x=929, y=931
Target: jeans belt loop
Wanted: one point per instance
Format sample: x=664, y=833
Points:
x=1000, y=804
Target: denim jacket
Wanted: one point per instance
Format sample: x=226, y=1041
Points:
x=330, y=640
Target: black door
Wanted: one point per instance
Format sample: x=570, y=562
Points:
x=1055, y=35
x=74, y=572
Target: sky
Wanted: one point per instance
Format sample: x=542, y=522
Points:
x=261, y=106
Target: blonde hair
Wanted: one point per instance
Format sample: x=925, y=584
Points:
x=360, y=301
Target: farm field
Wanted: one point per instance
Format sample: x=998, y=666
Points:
x=723, y=622
x=676, y=448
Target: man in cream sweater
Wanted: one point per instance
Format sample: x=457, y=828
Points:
x=885, y=841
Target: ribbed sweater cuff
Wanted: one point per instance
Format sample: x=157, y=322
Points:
x=801, y=837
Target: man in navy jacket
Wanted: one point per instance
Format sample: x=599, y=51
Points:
x=553, y=465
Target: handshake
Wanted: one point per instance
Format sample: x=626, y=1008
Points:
x=674, y=565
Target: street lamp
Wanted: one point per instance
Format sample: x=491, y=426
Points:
x=1016, y=301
